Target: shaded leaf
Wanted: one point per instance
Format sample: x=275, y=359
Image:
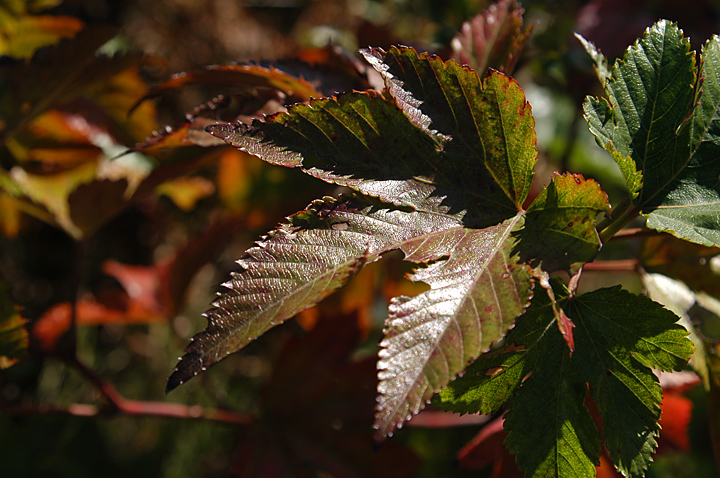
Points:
x=494, y=38
x=316, y=411
x=559, y=228
x=695, y=265
x=23, y=34
x=185, y=192
x=237, y=76
x=56, y=76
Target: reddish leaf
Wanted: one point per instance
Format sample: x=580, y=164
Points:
x=317, y=413
x=493, y=38
x=243, y=77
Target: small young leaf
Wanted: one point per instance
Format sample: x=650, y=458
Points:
x=600, y=62
x=492, y=39
x=564, y=216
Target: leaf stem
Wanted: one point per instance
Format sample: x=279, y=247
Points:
x=624, y=265
x=623, y=214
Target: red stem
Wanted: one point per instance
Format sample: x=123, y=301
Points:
x=119, y=405
x=626, y=265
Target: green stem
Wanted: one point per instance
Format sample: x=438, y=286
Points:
x=624, y=213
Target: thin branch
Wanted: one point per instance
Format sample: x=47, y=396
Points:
x=626, y=265
x=134, y=408
x=117, y=405
x=636, y=233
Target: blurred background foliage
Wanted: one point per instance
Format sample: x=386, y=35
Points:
x=131, y=247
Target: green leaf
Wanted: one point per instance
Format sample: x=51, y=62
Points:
x=564, y=216
x=620, y=337
x=347, y=141
x=549, y=428
x=13, y=335
x=651, y=93
x=691, y=207
x=491, y=380
x=487, y=121
x=599, y=60
x=474, y=298
x=493, y=38
x=651, y=124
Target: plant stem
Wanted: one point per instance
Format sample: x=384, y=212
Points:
x=119, y=405
x=623, y=214
x=625, y=265
x=636, y=233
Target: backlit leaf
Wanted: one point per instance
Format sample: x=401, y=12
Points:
x=492, y=39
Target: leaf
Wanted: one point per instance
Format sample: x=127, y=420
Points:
x=296, y=266
x=651, y=120
x=493, y=38
x=315, y=412
x=488, y=120
x=57, y=76
x=559, y=437
x=347, y=141
x=563, y=215
x=13, y=335
x=23, y=34
x=185, y=192
x=474, y=298
x=599, y=60
x=238, y=76
x=691, y=206
x=619, y=338
x=491, y=380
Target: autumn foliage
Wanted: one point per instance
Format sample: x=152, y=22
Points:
x=506, y=246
